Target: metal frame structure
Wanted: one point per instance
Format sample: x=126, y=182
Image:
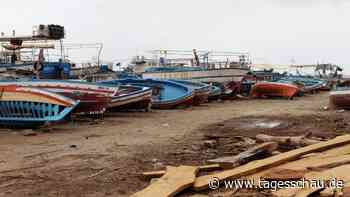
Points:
x=205, y=57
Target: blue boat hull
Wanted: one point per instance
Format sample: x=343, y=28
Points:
x=166, y=94
x=31, y=114
x=30, y=107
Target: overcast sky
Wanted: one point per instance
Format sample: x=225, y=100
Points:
x=274, y=31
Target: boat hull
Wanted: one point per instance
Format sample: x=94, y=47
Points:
x=272, y=89
x=90, y=104
x=201, y=90
x=183, y=102
x=339, y=100
x=215, y=93
x=94, y=99
x=165, y=94
x=29, y=107
x=133, y=98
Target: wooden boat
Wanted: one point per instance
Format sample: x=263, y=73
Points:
x=165, y=94
x=201, y=90
x=306, y=85
x=215, y=92
x=94, y=98
x=25, y=106
x=130, y=97
x=339, y=99
x=273, y=89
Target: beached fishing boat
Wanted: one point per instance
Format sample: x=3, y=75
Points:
x=30, y=107
x=306, y=85
x=201, y=90
x=94, y=98
x=130, y=97
x=273, y=89
x=215, y=92
x=340, y=99
x=165, y=94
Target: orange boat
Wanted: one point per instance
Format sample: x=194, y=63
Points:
x=273, y=89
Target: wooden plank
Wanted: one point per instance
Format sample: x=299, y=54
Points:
x=175, y=180
x=158, y=174
x=346, y=190
x=246, y=156
x=328, y=192
x=201, y=183
x=295, y=141
x=332, y=164
x=328, y=157
x=340, y=173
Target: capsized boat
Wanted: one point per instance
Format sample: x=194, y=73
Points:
x=165, y=94
x=94, y=98
x=30, y=107
x=340, y=99
x=201, y=90
x=273, y=89
x=130, y=97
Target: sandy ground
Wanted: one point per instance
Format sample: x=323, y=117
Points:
x=84, y=158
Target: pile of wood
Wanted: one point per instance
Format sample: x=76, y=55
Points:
x=325, y=160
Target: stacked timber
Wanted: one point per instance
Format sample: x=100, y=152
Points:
x=327, y=162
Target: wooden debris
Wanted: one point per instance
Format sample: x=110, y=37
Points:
x=96, y=174
x=328, y=192
x=282, y=174
x=158, y=174
x=327, y=157
x=343, y=161
x=29, y=132
x=346, y=192
x=201, y=183
x=199, y=195
x=310, y=155
x=257, y=152
x=295, y=141
x=153, y=174
x=175, y=180
x=340, y=173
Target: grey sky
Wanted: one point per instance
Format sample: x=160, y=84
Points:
x=274, y=31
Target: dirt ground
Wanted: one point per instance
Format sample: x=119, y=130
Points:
x=105, y=158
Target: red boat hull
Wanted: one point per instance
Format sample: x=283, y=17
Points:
x=271, y=89
x=89, y=103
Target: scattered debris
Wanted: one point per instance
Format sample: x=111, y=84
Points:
x=335, y=163
x=174, y=181
x=288, y=141
x=29, y=132
x=165, y=125
x=210, y=143
x=96, y=174
x=281, y=174
x=201, y=183
x=341, y=173
x=257, y=152
x=325, y=108
x=340, y=111
x=158, y=174
x=73, y=146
